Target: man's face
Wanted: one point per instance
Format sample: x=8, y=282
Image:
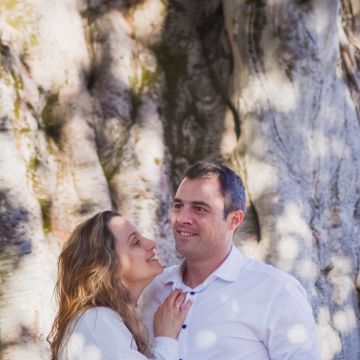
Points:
x=197, y=219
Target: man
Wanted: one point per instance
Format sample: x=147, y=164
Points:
x=242, y=309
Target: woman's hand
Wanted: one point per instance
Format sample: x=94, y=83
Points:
x=171, y=314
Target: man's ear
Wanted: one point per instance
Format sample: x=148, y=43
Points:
x=236, y=218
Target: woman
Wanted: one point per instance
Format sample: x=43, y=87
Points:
x=103, y=268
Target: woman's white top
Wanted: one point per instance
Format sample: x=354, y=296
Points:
x=100, y=334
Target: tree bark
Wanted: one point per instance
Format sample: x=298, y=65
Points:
x=103, y=104
x=300, y=153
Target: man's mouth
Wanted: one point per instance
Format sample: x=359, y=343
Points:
x=185, y=233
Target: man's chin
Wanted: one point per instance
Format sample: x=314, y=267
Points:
x=183, y=251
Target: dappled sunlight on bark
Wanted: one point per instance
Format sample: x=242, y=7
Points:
x=345, y=320
x=103, y=104
x=329, y=338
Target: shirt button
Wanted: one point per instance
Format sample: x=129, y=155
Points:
x=192, y=292
x=184, y=327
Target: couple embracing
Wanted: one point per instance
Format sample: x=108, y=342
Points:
x=117, y=302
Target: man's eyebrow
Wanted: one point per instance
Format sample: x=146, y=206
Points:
x=194, y=203
x=200, y=203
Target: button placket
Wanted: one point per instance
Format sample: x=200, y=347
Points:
x=184, y=334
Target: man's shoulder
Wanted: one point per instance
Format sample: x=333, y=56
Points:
x=267, y=272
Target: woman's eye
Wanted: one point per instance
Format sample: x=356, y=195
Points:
x=136, y=242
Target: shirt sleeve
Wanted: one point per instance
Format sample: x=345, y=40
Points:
x=165, y=348
x=100, y=334
x=291, y=332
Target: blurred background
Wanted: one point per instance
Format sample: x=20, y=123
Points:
x=104, y=104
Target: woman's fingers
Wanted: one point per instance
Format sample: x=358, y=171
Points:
x=171, y=298
x=171, y=314
x=179, y=300
x=186, y=306
x=176, y=298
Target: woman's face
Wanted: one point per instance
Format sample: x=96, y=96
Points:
x=136, y=254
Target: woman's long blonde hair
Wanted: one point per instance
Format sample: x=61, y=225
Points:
x=88, y=277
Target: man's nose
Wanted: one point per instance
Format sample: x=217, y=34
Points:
x=184, y=216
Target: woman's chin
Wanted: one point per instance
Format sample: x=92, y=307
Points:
x=153, y=276
x=157, y=269
x=156, y=263
x=160, y=268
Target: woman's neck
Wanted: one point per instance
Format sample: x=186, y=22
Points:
x=135, y=291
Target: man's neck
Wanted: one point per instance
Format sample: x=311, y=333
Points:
x=196, y=271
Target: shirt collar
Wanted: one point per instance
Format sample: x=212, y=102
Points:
x=173, y=275
x=228, y=271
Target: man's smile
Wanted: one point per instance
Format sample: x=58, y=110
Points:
x=184, y=233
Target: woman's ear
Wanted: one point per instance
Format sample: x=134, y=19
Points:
x=236, y=218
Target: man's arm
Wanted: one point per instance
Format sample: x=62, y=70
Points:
x=291, y=331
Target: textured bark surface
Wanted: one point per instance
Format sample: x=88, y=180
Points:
x=103, y=104
x=299, y=148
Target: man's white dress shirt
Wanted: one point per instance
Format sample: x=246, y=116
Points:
x=244, y=310
x=100, y=334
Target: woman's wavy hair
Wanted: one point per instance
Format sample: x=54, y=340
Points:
x=88, y=277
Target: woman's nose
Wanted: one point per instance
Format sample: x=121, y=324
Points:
x=149, y=244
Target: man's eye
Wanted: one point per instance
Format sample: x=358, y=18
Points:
x=199, y=209
x=176, y=206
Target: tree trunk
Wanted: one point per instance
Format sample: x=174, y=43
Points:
x=103, y=104
x=299, y=151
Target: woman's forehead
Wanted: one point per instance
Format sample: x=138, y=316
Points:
x=121, y=227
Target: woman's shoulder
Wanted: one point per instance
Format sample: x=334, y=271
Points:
x=102, y=324
x=94, y=312
x=97, y=330
x=98, y=316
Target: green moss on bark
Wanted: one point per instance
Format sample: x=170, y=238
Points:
x=9, y=4
x=52, y=129
x=45, y=206
x=142, y=80
x=18, y=86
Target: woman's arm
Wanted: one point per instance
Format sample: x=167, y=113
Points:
x=100, y=334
